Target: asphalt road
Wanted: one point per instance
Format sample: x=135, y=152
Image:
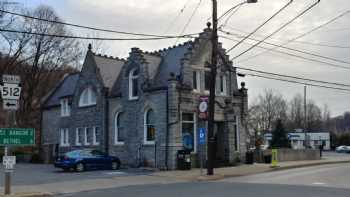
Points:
x=319, y=181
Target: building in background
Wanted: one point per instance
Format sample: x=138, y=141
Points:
x=297, y=139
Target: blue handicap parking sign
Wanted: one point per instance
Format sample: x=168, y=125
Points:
x=202, y=136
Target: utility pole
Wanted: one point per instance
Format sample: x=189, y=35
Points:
x=305, y=120
x=211, y=138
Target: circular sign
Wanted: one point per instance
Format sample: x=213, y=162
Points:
x=203, y=107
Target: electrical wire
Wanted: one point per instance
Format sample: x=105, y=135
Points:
x=230, y=10
x=296, y=82
x=294, y=55
x=279, y=29
x=177, y=17
x=86, y=27
x=294, y=77
x=89, y=38
x=260, y=26
x=231, y=15
x=303, y=35
x=190, y=19
x=289, y=48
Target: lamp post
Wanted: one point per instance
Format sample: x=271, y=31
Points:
x=214, y=55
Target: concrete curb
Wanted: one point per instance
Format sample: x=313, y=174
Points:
x=223, y=176
x=38, y=194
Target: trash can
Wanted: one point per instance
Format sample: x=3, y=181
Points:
x=268, y=158
x=249, y=157
x=184, y=160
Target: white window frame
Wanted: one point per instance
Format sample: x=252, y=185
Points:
x=91, y=97
x=205, y=91
x=116, y=130
x=131, y=86
x=65, y=107
x=94, y=140
x=145, y=126
x=77, y=136
x=194, y=128
x=222, y=78
x=86, y=143
x=64, y=137
x=198, y=81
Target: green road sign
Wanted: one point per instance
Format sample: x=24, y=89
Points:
x=17, y=136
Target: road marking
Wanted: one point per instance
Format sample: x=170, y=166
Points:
x=318, y=183
x=116, y=173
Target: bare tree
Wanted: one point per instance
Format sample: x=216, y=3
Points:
x=314, y=116
x=296, y=112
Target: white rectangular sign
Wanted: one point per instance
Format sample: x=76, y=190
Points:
x=11, y=79
x=10, y=91
x=10, y=105
x=9, y=162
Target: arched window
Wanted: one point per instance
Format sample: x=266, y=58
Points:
x=133, y=84
x=149, y=127
x=87, y=97
x=119, y=132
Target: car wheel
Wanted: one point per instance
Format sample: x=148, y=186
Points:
x=115, y=165
x=80, y=167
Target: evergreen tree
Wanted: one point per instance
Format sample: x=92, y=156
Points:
x=280, y=136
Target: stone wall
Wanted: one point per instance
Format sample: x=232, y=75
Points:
x=296, y=155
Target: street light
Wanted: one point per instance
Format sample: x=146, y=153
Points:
x=234, y=7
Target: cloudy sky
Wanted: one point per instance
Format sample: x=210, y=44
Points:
x=165, y=17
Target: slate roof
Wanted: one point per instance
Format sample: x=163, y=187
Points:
x=109, y=68
x=64, y=89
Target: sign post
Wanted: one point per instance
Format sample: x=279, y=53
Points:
x=10, y=92
x=202, y=141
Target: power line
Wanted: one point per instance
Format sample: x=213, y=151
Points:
x=230, y=10
x=296, y=82
x=294, y=55
x=260, y=26
x=90, y=38
x=288, y=48
x=231, y=15
x=304, y=34
x=190, y=19
x=85, y=27
x=177, y=16
x=279, y=29
x=296, y=41
x=294, y=77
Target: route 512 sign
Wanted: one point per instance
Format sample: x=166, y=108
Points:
x=10, y=91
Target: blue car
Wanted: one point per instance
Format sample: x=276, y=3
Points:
x=87, y=159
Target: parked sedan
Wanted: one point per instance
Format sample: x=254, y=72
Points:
x=86, y=159
x=343, y=149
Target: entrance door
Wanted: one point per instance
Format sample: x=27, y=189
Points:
x=220, y=137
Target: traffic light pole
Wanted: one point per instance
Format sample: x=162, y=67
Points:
x=211, y=137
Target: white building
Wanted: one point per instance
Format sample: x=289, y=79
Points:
x=297, y=139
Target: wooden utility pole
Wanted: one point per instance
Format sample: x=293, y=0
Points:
x=211, y=137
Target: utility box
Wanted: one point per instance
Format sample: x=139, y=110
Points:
x=184, y=160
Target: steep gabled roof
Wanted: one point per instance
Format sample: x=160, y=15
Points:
x=64, y=89
x=109, y=68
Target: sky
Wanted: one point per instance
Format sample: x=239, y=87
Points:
x=165, y=17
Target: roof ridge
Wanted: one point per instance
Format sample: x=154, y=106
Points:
x=109, y=57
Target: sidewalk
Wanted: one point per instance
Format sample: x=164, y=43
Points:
x=243, y=170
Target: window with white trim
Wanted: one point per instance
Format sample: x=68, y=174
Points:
x=87, y=97
x=196, y=81
x=207, y=81
x=79, y=136
x=87, y=136
x=96, y=136
x=65, y=107
x=222, y=85
x=64, y=137
x=133, y=84
x=149, y=127
x=188, y=124
x=119, y=132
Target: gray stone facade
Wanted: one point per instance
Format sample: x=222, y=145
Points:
x=165, y=85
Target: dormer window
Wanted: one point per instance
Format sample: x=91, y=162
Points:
x=87, y=97
x=65, y=107
x=133, y=84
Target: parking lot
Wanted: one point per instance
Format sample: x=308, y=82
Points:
x=33, y=174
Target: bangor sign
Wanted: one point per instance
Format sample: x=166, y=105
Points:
x=17, y=136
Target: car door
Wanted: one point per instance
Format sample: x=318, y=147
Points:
x=102, y=161
x=89, y=159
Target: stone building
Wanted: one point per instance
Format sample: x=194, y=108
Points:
x=145, y=108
